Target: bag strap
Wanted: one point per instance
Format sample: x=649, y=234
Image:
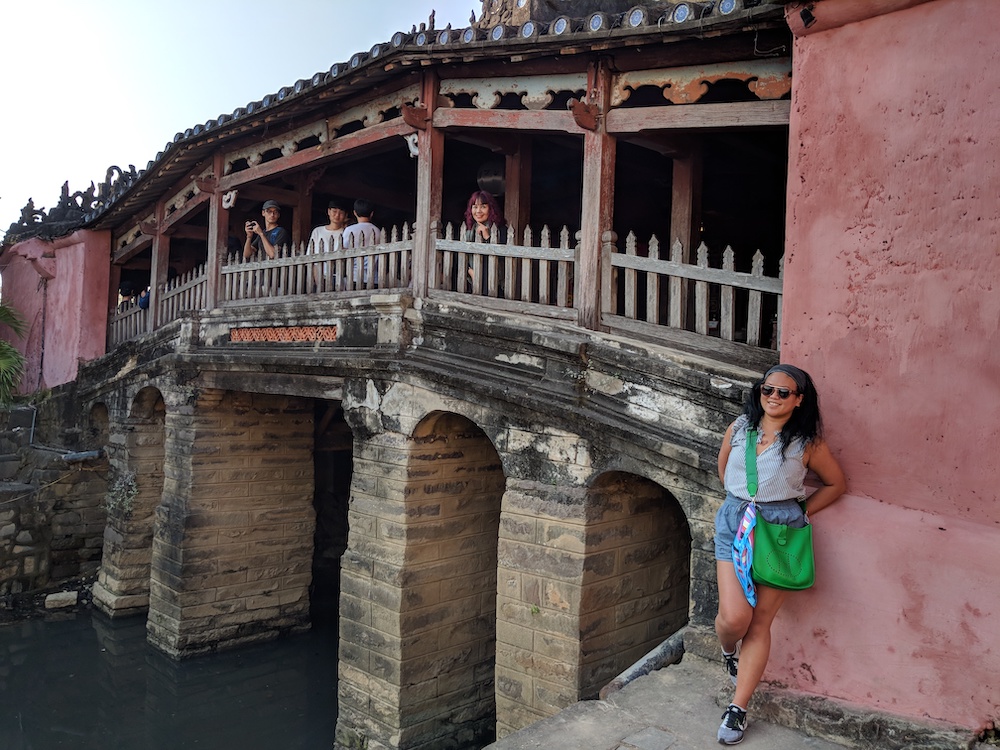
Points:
x=752, y=464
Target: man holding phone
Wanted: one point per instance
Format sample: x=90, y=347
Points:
x=268, y=239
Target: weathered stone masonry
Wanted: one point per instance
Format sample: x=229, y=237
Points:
x=233, y=545
x=526, y=518
x=592, y=569
x=51, y=511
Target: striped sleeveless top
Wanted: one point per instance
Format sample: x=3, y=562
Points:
x=777, y=479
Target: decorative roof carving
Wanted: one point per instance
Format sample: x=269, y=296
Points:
x=73, y=209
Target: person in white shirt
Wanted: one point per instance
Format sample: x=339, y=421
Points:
x=362, y=234
x=326, y=238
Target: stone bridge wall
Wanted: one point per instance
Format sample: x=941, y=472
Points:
x=531, y=506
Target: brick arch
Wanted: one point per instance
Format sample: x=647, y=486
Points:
x=122, y=586
x=635, y=589
x=419, y=585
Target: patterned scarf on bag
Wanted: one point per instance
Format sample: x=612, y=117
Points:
x=743, y=552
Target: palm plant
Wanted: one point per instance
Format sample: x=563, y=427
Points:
x=11, y=360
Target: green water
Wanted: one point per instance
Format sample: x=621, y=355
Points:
x=87, y=683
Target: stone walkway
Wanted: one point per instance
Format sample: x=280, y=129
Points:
x=680, y=708
x=674, y=708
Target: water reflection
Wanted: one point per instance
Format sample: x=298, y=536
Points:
x=85, y=682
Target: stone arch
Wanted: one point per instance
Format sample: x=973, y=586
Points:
x=122, y=586
x=690, y=480
x=635, y=589
x=419, y=586
x=454, y=553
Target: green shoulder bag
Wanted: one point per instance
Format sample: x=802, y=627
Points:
x=782, y=555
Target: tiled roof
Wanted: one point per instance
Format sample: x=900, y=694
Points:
x=646, y=22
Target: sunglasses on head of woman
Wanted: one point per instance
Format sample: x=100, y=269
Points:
x=783, y=393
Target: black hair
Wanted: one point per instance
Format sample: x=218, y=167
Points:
x=364, y=208
x=805, y=422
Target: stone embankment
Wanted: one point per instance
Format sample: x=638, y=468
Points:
x=52, y=514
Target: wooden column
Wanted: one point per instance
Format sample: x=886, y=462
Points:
x=517, y=199
x=430, y=178
x=115, y=280
x=218, y=237
x=685, y=213
x=301, y=227
x=598, y=198
x=158, y=269
x=685, y=203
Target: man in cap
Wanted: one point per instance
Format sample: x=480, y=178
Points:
x=268, y=239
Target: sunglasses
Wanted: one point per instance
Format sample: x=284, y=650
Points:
x=783, y=393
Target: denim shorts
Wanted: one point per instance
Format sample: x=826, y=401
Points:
x=727, y=520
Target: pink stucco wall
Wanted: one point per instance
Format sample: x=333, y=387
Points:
x=67, y=314
x=892, y=289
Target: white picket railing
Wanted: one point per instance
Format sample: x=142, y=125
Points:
x=504, y=269
x=184, y=292
x=641, y=292
x=305, y=270
x=127, y=324
x=662, y=292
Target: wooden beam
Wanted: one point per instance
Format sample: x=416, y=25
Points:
x=133, y=248
x=691, y=116
x=184, y=212
x=374, y=134
x=505, y=119
x=584, y=115
x=415, y=117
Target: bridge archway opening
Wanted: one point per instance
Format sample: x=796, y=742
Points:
x=636, y=585
x=133, y=495
x=332, y=471
x=448, y=614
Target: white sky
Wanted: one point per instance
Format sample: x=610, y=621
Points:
x=89, y=84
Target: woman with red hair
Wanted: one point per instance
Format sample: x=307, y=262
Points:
x=482, y=213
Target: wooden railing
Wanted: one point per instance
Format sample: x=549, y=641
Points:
x=504, y=269
x=641, y=292
x=185, y=292
x=305, y=270
x=127, y=324
x=647, y=290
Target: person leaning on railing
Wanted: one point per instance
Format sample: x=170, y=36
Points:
x=482, y=214
x=268, y=239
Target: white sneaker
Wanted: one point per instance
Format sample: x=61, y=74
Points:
x=734, y=724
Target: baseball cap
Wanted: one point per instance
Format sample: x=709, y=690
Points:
x=270, y=204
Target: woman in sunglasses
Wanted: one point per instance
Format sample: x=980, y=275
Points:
x=783, y=409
